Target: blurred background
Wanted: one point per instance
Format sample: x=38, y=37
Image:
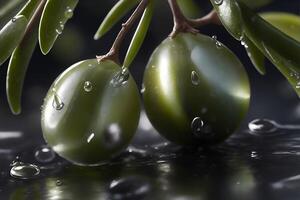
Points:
x=272, y=96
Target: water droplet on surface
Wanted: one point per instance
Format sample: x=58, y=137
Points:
x=129, y=188
x=13, y=19
x=258, y=126
x=58, y=182
x=197, y=125
x=298, y=85
x=218, y=2
x=69, y=13
x=57, y=102
x=253, y=154
x=88, y=86
x=195, y=78
x=120, y=78
x=244, y=44
x=89, y=139
x=58, y=31
x=24, y=171
x=44, y=154
x=143, y=89
x=218, y=44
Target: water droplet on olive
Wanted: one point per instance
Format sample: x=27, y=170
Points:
x=88, y=87
x=120, y=78
x=57, y=102
x=195, y=78
x=68, y=13
x=218, y=2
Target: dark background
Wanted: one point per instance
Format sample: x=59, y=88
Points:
x=272, y=98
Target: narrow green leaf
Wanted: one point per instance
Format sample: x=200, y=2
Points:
x=256, y=56
x=286, y=22
x=230, y=16
x=17, y=68
x=11, y=35
x=8, y=10
x=114, y=15
x=139, y=34
x=29, y=8
x=56, y=13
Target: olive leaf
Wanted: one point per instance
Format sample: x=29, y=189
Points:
x=139, y=35
x=115, y=14
x=56, y=13
x=256, y=56
x=282, y=50
x=286, y=22
x=11, y=35
x=8, y=9
x=21, y=56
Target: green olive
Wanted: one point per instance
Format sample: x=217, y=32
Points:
x=91, y=112
x=196, y=92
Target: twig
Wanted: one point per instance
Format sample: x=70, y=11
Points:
x=114, y=52
x=181, y=23
x=210, y=18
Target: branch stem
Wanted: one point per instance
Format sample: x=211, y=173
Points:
x=114, y=52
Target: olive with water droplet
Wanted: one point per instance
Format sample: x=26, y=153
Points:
x=191, y=74
x=98, y=119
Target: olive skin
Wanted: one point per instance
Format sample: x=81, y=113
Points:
x=85, y=118
x=196, y=91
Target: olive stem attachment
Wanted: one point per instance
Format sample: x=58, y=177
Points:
x=114, y=52
x=181, y=23
x=36, y=16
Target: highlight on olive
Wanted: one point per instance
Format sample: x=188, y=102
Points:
x=196, y=92
x=91, y=112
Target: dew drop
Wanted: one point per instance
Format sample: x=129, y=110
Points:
x=258, y=126
x=69, y=13
x=298, y=85
x=14, y=19
x=88, y=87
x=253, y=154
x=57, y=102
x=61, y=25
x=24, y=171
x=218, y=2
x=244, y=44
x=44, y=154
x=58, y=31
x=120, y=78
x=143, y=89
x=90, y=138
x=129, y=188
x=218, y=44
x=195, y=78
x=197, y=126
x=58, y=182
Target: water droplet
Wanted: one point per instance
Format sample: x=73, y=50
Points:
x=89, y=139
x=88, y=87
x=120, y=78
x=69, y=13
x=258, y=126
x=44, y=154
x=195, y=78
x=244, y=44
x=253, y=154
x=298, y=85
x=24, y=171
x=61, y=25
x=197, y=125
x=58, y=182
x=129, y=188
x=218, y=2
x=112, y=136
x=57, y=102
x=143, y=89
x=218, y=44
x=13, y=19
x=59, y=31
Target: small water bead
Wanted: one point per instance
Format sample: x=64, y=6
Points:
x=129, y=188
x=24, y=171
x=218, y=2
x=298, y=85
x=68, y=13
x=58, y=182
x=112, y=136
x=218, y=44
x=120, y=78
x=253, y=154
x=262, y=126
x=90, y=138
x=88, y=87
x=143, y=89
x=58, y=31
x=195, y=78
x=13, y=19
x=197, y=126
x=244, y=44
x=44, y=154
x=57, y=102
